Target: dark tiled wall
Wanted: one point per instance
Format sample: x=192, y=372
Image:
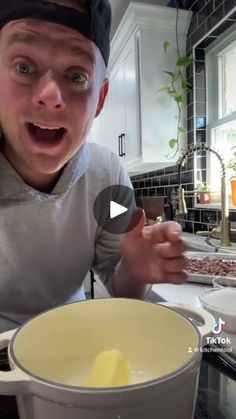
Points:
x=207, y=14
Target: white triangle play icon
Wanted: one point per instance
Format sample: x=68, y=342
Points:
x=116, y=209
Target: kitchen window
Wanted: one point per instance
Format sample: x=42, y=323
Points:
x=221, y=102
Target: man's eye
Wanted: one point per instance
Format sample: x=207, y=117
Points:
x=77, y=77
x=23, y=68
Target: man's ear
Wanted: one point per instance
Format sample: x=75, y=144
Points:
x=103, y=93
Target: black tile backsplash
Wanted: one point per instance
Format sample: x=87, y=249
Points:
x=215, y=17
x=201, y=108
x=200, y=95
x=153, y=192
x=200, y=67
x=193, y=25
x=207, y=41
x=187, y=177
x=190, y=163
x=190, y=138
x=209, y=20
x=200, y=81
x=190, y=110
x=201, y=135
x=190, y=96
x=164, y=180
x=199, y=54
x=201, y=162
x=190, y=202
x=218, y=3
x=199, y=33
x=204, y=14
x=155, y=182
x=190, y=124
x=229, y=5
x=193, y=215
x=208, y=217
x=233, y=216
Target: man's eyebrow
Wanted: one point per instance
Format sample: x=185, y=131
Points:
x=31, y=39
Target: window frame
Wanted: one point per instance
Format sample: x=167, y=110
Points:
x=214, y=92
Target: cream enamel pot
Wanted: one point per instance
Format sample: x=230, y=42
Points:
x=50, y=357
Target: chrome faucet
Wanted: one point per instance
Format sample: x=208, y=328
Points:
x=182, y=209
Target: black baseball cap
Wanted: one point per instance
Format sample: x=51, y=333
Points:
x=93, y=21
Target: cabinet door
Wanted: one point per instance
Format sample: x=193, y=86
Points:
x=131, y=96
x=110, y=124
x=117, y=127
x=124, y=104
x=100, y=130
x=116, y=109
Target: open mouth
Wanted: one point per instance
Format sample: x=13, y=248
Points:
x=46, y=136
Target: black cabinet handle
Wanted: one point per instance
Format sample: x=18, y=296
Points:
x=123, y=145
x=119, y=146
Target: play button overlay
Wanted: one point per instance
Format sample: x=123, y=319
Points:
x=114, y=209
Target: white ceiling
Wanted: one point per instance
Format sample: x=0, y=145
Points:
x=119, y=7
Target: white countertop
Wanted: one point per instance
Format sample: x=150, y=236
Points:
x=182, y=294
x=199, y=243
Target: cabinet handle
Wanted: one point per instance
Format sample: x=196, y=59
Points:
x=119, y=146
x=123, y=145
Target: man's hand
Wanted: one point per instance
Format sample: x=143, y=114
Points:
x=150, y=254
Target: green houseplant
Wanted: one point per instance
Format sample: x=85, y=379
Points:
x=178, y=87
x=204, y=193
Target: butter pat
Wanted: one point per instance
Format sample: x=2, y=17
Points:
x=110, y=369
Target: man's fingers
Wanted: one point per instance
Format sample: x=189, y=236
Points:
x=176, y=265
x=173, y=231
x=137, y=223
x=167, y=231
x=171, y=250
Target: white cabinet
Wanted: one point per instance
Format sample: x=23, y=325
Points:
x=117, y=127
x=124, y=104
x=101, y=131
x=137, y=121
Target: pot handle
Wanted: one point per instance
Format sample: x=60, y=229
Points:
x=15, y=381
x=6, y=337
x=195, y=313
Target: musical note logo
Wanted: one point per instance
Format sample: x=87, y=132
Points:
x=218, y=326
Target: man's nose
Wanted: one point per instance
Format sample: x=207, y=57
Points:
x=48, y=94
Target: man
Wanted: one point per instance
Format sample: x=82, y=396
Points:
x=53, y=59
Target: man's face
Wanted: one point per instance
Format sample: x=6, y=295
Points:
x=51, y=76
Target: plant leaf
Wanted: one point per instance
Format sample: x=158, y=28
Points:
x=179, y=98
x=172, y=75
x=186, y=85
x=173, y=143
x=182, y=130
x=166, y=45
x=172, y=92
x=164, y=89
x=184, y=61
